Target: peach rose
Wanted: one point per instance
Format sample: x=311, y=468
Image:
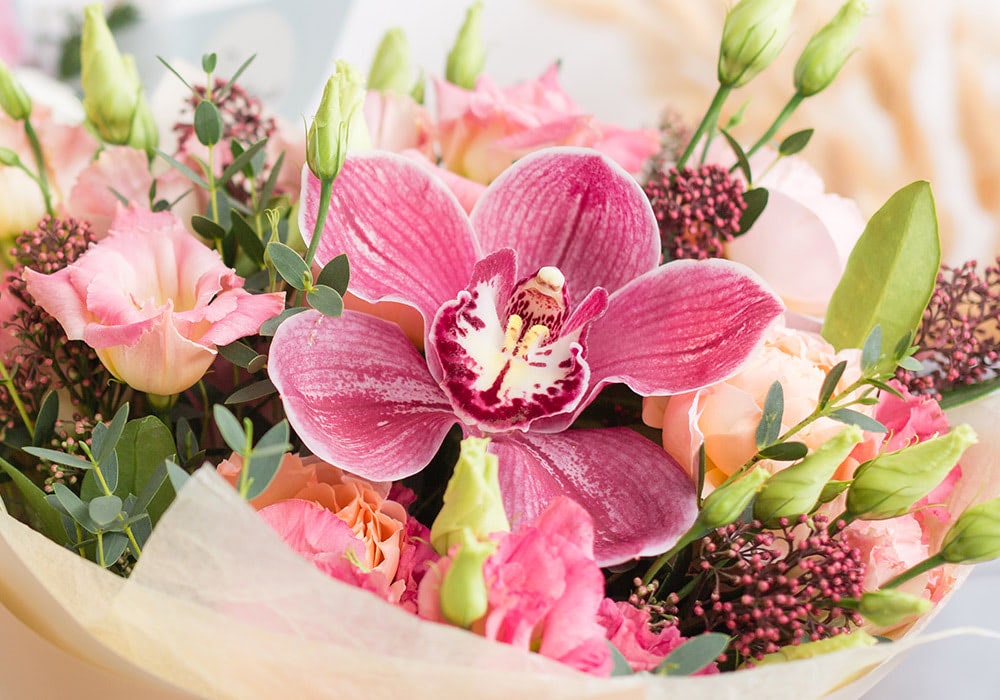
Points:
x=725, y=415
x=379, y=523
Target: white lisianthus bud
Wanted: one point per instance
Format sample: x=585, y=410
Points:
x=828, y=49
x=754, y=33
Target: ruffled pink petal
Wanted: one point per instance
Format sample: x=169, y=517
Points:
x=406, y=235
x=640, y=499
x=682, y=326
x=358, y=394
x=61, y=298
x=572, y=209
x=237, y=313
x=119, y=168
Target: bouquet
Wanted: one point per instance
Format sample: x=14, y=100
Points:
x=463, y=390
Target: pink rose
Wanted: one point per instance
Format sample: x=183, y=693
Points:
x=725, y=415
x=544, y=590
x=627, y=627
x=152, y=301
x=483, y=131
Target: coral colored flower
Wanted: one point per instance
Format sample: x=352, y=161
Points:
x=482, y=131
x=801, y=241
x=725, y=415
x=509, y=353
x=378, y=523
x=152, y=301
x=544, y=590
x=627, y=627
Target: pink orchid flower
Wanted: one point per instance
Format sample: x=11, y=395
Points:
x=508, y=352
x=153, y=301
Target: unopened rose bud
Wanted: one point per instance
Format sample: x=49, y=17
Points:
x=807, y=650
x=727, y=503
x=111, y=89
x=975, y=536
x=828, y=49
x=13, y=99
x=390, y=71
x=890, y=607
x=889, y=485
x=796, y=489
x=754, y=33
x=464, y=597
x=338, y=124
x=472, y=502
x=467, y=57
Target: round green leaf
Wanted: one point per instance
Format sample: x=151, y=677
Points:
x=207, y=123
x=326, y=300
x=104, y=510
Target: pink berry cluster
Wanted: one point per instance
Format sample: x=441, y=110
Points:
x=767, y=589
x=698, y=210
x=959, y=334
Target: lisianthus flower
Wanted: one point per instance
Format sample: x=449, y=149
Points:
x=153, y=301
x=508, y=354
x=725, y=416
x=801, y=242
x=544, y=590
x=482, y=131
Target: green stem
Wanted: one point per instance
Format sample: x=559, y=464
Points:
x=786, y=112
x=108, y=492
x=36, y=150
x=326, y=188
x=689, y=537
x=923, y=567
x=100, y=550
x=16, y=398
x=707, y=124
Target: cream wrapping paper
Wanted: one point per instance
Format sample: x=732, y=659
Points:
x=219, y=607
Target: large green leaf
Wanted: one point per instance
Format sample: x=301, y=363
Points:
x=49, y=517
x=143, y=446
x=890, y=274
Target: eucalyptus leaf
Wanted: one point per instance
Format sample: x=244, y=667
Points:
x=785, y=451
x=206, y=228
x=741, y=158
x=239, y=71
x=269, y=326
x=45, y=421
x=336, y=274
x=49, y=518
x=187, y=441
x=59, y=457
x=208, y=62
x=184, y=170
x=114, y=433
x=230, y=429
x=174, y=71
x=620, y=665
x=756, y=200
x=207, y=123
x=795, y=142
x=288, y=264
x=911, y=364
x=252, y=392
x=144, y=445
x=890, y=274
x=245, y=158
x=257, y=364
x=871, y=351
x=849, y=417
x=247, y=239
x=769, y=427
x=272, y=179
x=113, y=545
x=693, y=655
x=266, y=458
x=239, y=353
x=157, y=493
x=178, y=477
x=326, y=300
x=76, y=508
x=104, y=510
x=830, y=383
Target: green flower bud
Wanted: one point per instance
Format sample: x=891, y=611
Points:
x=796, y=489
x=390, y=71
x=975, y=536
x=828, y=49
x=467, y=57
x=887, y=486
x=891, y=607
x=472, y=502
x=464, y=598
x=338, y=124
x=111, y=89
x=726, y=504
x=13, y=99
x=754, y=33
x=9, y=157
x=855, y=640
x=143, y=134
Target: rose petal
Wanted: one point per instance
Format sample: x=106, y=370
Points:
x=573, y=209
x=640, y=499
x=682, y=326
x=407, y=237
x=358, y=394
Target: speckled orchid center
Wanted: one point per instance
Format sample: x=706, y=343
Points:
x=511, y=354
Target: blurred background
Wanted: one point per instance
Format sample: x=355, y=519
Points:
x=920, y=99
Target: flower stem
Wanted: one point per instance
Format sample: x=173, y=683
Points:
x=8, y=381
x=923, y=567
x=326, y=188
x=786, y=112
x=36, y=150
x=688, y=537
x=707, y=124
x=108, y=492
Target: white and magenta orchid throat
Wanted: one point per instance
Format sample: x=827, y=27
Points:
x=511, y=353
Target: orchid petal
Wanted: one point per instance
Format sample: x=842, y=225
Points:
x=681, y=327
x=573, y=209
x=640, y=499
x=407, y=237
x=358, y=394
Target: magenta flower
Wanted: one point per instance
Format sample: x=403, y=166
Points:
x=509, y=353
